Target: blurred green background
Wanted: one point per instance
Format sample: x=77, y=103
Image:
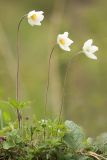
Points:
x=85, y=99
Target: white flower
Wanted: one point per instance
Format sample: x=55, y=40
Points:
x=59, y=131
x=64, y=42
x=43, y=122
x=90, y=49
x=35, y=17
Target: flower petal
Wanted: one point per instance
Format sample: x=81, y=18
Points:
x=65, y=48
x=31, y=13
x=91, y=55
x=88, y=43
x=64, y=42
x=31, y=22
x=66, y=34
x=69, y=42
x=94, y=49
x=35, y=17
x=89, y=49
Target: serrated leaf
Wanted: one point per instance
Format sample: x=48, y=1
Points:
x=7, y=145
x=75, y=136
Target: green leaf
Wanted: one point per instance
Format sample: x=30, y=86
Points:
x=17, y=104
x=75, y=136
x=8, y=145
x=7, y=113
x=101, y=143
x=12, y=139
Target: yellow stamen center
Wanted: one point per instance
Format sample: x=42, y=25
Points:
x=62, y=41
x=33, y=17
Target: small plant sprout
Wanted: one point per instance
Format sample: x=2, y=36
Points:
x=35, y=17
x=89, y=49
x=64, y=42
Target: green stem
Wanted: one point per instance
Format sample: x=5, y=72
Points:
x=63, y=89
x=44, y=133
x=47, y=88
x=17, y=72
x=1, y=119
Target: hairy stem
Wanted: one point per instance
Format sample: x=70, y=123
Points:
x=48, y=82
x=63, y=89
x=17, y=72
x=47, y=88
